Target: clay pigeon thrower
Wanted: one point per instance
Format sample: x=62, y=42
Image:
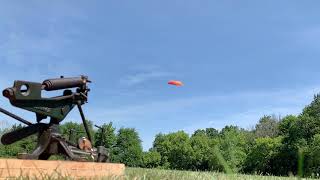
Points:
x=27, y=95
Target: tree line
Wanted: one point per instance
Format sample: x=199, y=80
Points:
x=275, y=146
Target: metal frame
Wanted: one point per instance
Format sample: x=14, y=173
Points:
x=50, y=141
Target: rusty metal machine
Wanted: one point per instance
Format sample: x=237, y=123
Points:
x=27, y=95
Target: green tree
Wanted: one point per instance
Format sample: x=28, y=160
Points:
x=200, y=144
x=232, y=146
x=161, y=144
x=309, y=120
x=199, y=132
x=151, y=159
x=299, y=134
x=312, y=163
x=128, y=148
x=175, y=150
x=294, y=132
x=262, y=155
x=286, y=125
x=268, y=126
x=212, y=132
x=313, y=109
x=106, y=136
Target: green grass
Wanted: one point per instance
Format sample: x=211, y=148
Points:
x=159, y=174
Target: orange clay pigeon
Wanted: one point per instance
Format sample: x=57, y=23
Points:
x=176, y=83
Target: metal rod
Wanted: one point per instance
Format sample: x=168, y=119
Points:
x=98, y=126
x=102, y=134
x=15, y=116
x=84, y=121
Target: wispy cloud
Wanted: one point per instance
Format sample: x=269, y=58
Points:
x=145, y=76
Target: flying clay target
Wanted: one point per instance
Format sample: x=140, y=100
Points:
x=175, y=83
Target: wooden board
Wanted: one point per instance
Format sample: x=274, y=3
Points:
x=55, y=169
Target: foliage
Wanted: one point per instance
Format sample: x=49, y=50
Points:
x=175, y=150
x=313, y=157
x=106, y=136
x=151, y=159
x=261, y=157
x=232, y=145
x=25, y=145
x=73, y=131
x=267, y=127
x=200, y=144
x=128, y=148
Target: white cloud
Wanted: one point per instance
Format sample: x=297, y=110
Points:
x=142, y=77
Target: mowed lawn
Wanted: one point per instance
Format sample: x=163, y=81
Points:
x=157, y=174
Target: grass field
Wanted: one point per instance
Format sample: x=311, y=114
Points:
x=156, y=174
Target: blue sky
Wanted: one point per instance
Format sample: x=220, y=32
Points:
x=239, y=60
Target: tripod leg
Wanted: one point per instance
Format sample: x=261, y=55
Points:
x=43, y=143
x=84, y=121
